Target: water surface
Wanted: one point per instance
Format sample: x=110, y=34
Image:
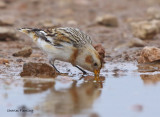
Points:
x=123, y=91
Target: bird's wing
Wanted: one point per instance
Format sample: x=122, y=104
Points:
x=43, y=35
x=69, y=35
x=60, y=37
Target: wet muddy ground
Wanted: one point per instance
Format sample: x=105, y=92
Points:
x=125, y=89
x=123, y=92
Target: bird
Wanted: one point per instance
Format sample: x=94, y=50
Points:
x=67, y=44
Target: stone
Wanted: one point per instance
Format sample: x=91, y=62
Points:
x=149, y=54
x=107, y=20
x=25, y=52
x=81, y=2
x=7, y=32
x=19, y=60
x=7, y=21
x=144, y=29
x=101, y=51
x=3, y=4
x=157, y=24
x=136, y=42
x=153, y=13
x=72, y=22
x=49, y=24
x=41, y=70
x=3, y=61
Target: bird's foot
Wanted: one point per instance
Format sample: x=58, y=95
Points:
x=84, y=72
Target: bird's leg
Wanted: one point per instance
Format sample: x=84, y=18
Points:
x=84, y=72
x=52, y=63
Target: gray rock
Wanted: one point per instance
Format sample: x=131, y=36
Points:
x=157, y=24
x=7, y=21
x=135, y=42
x=153, y=13
x=7, y=32
x=107, y=20
x=25, y=52
x=145, y=29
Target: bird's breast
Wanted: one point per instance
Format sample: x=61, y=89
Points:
x=66, y=53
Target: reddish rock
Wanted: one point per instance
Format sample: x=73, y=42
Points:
x=25, y=52
x=3, y=61
x=101, y=51
x=149, y=54
x=49, y=24
x=134, y=42
x=42, y=70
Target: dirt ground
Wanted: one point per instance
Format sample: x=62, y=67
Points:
x=80, y=14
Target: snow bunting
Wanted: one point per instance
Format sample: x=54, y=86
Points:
x=69, y=45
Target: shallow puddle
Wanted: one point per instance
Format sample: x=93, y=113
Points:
x=121, y=92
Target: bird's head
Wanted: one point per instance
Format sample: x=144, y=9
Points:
x=32, y=32
x=25, y=30
x=89, y=59
x=28, y=31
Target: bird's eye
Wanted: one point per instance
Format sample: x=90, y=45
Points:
x=95, y=64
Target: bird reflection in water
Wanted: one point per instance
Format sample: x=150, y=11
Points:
x=72, y=100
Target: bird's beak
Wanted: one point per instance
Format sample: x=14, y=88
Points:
x=96, y=74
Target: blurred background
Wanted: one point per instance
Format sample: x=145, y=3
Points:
x=122, y=27
x=108, y=22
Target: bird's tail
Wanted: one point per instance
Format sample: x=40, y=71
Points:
x=29, y=30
